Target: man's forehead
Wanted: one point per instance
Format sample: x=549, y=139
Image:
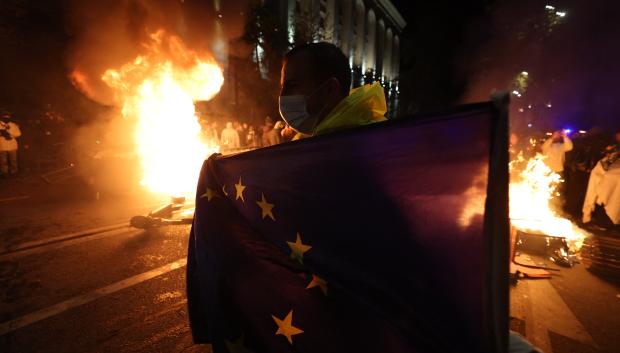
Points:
x=296, y=68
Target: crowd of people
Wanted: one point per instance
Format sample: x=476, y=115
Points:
x=237, y=136
x=17, y=154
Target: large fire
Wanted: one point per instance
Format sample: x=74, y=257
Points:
x=158, y=91
x=530, y=209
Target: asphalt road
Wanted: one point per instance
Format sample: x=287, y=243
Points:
x=118, y=289
x=74, y=277
x=573, y=312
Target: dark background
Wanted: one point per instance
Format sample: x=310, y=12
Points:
x=452, y=52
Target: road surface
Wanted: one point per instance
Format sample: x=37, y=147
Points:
x=75, y=278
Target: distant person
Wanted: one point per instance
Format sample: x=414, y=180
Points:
x=287, y=133
x=270, y=136
x=242, y=130
x=251, y=140
x=555, y=150
x=215, y=133
x=9, y=132
x=278, y=128
x=612, y=153
x=230, y=137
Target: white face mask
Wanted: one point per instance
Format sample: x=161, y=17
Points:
x=294, y=111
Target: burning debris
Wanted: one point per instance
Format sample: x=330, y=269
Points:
x=158, y=90
x=540, y=228
x=152, y=66
x=173, y=213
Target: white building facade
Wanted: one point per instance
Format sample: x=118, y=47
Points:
x=367, y=31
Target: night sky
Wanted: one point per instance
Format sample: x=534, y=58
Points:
x=458, y=52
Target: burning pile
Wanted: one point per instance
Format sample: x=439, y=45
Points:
x=157, y=90
x=530, y=196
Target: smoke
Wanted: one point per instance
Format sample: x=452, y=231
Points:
x=569, y=51
x=108, y=34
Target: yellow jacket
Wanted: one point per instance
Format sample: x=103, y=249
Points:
x=364, y=105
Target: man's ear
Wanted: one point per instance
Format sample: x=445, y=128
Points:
x=334, y=86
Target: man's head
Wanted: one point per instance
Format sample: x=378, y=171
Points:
x=229, y=125
x=557, y=136
x=279, y=125
x=319, y=72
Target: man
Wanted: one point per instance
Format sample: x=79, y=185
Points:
x=230, y=137
x=277, y=129
x=251, y=138
x=612, y=153
x=9, y=132
x=270, y=136
x=240, y=132
x=601, y=192
x=555, y=149
x=315, y=98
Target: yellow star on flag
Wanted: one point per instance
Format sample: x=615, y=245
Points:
x=318, y=282
x=240, y=187
x=286, y=328
x=224, y=190
x=266, y=207
x=209, y=194
x=298, y=249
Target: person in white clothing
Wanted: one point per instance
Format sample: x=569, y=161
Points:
x=9, y=132
x=230, y=137
x=555, y=150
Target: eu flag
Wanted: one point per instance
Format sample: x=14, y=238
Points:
x=384, y=238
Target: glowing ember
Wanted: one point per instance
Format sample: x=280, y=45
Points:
x=158, y=91
x=529, y=203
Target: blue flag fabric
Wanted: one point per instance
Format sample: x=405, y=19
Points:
x=385, y=238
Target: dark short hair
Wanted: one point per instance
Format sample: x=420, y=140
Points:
x=327, y=60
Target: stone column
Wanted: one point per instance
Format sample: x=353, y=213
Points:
x=347, y=25
x=330, y=22
x=379, y=49
x=360, y=32
x=371, y=47
x=289, y=21
x=357, y=43
x=387, y=55
x=395, y=57
x=395, y=74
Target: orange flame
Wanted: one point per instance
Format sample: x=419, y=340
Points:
x=529, y=203
x=158, y=90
